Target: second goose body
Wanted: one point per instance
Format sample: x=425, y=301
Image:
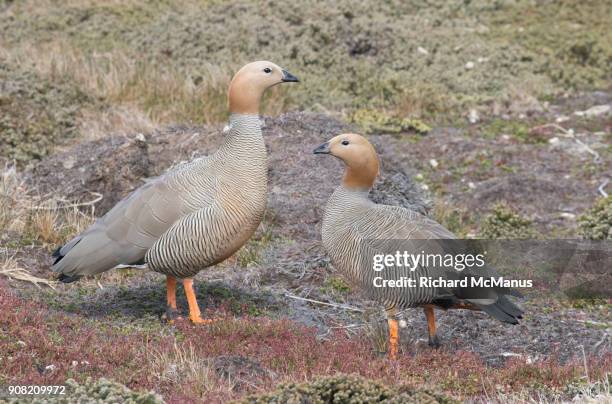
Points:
x=355, y=229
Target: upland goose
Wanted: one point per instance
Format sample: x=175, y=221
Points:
x=193, y=216
x=354, y=229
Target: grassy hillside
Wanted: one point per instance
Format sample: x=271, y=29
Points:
x=163, y=62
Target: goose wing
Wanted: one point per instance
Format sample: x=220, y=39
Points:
x=386, y=229
x=131, y=228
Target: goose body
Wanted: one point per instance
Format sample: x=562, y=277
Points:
x=195, y=215
x=354, y=229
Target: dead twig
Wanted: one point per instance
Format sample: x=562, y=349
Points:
x=23, y=275
x=586, y=368
x=336, y=305
x=570, y=134
x=98, y=198
x=602, y=188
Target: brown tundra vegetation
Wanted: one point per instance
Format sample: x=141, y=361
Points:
x=491, y=117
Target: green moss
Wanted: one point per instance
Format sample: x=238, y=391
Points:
x=588, y=303
x=337, y=284
x=457, y=221
x=567, y=41
x=99, y=391
x=519, y=130
x=35, y=113
x=596, y=223
x=504, y=223
x=349, y=389
x=372, y=121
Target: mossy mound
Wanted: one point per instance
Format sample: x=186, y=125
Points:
x=349, y=389
x=596, y=223
x=372, y=121
x=504, y=223
x=35, y=113
x=99, y=391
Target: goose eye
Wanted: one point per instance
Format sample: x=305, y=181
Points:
x=345, y=142
x=267, y=70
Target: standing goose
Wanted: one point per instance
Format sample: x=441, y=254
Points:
x=195, y=215
x=355, y=228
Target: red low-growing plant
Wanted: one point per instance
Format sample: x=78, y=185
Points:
x=42, y=346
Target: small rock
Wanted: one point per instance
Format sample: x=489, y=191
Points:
x=433, y=163
x=403, y=323
x=506, y=137
x=140, y=138
x=473, y=117
x=75, y=364
x=21, y=343
x=554, y=140
x=567, y=215
x=69, y=163
x=510, y=354
x=50, y=368
x=482, y=60
x=594, y=111
x=424, y=187
x=422, y=51
x=469, y=65
x=418, y=177
x=562, y=118
x=471, y=185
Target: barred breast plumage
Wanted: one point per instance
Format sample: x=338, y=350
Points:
x=224, y=199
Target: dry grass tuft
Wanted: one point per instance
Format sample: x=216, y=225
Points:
x=10, y=269
x=182, y=365
x=37, y=219
x=11, y=199
x=140, y=95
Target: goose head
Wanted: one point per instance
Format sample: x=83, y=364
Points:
x=359, y=157
x=251, y=81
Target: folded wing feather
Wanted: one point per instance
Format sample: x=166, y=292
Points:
x=133, y=226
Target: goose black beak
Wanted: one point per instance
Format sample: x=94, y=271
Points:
x=289, y=78
x=322, y=149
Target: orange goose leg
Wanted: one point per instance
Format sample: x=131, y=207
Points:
x=194, y=311
x=393, y=337
x=171, y=311
x=171, y=291
x=431, y=325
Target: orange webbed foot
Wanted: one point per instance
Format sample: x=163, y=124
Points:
x=200, y=320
